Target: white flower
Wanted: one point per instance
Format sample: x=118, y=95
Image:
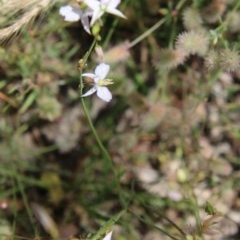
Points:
x=108, y=236
x=102, y=6
x=74, y=14
x=100, y=82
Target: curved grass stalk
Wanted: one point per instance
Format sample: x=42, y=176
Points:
x=149, y=222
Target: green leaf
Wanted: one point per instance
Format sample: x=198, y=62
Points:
x=29, y=101
x=209, y=209
x=107, y=226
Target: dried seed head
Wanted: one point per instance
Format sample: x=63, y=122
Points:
x=193, y=42
x=229, y=60
x=214, y=11
x=117, y=53
x=233, y=25
x=212, y=60
x=210, y=225
x=169, y=58
x=192, y=19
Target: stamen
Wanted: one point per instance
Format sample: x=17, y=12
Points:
x=105, y=82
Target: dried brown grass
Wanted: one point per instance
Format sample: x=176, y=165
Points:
x=24, y=12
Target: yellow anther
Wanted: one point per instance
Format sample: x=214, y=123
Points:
x=105, y=82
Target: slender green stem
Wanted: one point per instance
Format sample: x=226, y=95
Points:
x=139, y=38
x=108, y=161
x=14, y=215
x=102, y=148
x=107, y=158
x=24, y=198
x=175, y=225
x=114, y=24
x=172, y=35
x=86, y=56
x=195, y=207
x=110, y=33
x=148, y=32
x=180, y=4
x=149, y=222
x=20, y=186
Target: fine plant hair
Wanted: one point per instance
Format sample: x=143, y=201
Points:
x=23, y=12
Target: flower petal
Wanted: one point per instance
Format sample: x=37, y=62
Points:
x=108, y=236
x=93, y=4
x=90, y=75
x=111, y=3
x=70, y=14
x=90, y=92
x=85, y=23
x=116, y=12
x=102, y=70
x=96, y=7
x=104, y=94
x=96, y=15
